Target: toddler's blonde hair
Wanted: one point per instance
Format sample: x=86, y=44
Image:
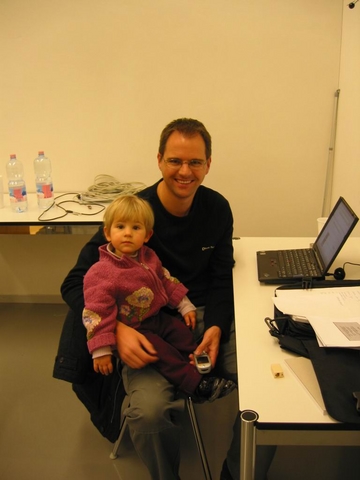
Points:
x=129, y=208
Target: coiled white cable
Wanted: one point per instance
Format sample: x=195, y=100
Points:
x=106, y=188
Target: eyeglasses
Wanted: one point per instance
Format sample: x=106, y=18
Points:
x=175, y=163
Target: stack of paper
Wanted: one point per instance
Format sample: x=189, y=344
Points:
x=334, y=313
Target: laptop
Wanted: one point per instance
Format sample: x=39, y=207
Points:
x=288, y=266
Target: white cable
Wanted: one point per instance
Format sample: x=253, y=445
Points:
x=106, y=188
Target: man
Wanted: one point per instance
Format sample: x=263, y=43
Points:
x=193, y=238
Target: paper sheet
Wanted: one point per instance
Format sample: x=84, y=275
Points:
x=322, y=302
x=337, y=332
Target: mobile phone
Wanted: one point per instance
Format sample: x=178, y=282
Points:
x=202, y=362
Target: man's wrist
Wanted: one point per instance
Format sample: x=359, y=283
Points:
x=215, y=330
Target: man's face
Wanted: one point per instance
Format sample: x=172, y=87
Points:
x=183, y=182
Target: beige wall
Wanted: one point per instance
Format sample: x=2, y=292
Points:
x=93, y=83
x=347, y=152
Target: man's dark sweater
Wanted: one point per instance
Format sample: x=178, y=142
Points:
x=197, y=249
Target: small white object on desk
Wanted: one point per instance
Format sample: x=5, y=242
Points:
x=277, y=371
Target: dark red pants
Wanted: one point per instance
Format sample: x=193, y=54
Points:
x=173, y=342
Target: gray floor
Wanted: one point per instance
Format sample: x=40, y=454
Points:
x=46, y=433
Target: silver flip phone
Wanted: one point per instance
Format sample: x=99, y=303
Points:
x=203, y=362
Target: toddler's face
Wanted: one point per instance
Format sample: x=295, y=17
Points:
x=127, y=237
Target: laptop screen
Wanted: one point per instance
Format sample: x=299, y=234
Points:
x=336, y=230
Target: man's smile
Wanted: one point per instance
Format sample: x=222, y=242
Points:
x=183, y=182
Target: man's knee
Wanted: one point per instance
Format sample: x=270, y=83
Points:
x=152, y=406
x=152, y=413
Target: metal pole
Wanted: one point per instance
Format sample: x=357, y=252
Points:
x=330, y=166
x=198, y=439
x=248, y=419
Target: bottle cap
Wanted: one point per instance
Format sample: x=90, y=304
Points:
x=13, y=155
x=41, y=152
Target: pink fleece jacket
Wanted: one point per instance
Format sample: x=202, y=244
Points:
x=126, y=289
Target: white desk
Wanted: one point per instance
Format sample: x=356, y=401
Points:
x=275, y=411
x=84, y=213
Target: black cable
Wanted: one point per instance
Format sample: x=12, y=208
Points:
x=67, y=211
x=351, y=263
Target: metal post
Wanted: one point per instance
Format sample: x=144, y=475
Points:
x=248, y=419
x=331, y=158
x=198, y=439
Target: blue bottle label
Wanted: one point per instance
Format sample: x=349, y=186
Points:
x=44, y=190
x=17, y=194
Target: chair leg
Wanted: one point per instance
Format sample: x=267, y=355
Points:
x=199, y=442
x=197, y=435
x=115, y=450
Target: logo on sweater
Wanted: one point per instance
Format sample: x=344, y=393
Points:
x=208, y=248
x=138, y=304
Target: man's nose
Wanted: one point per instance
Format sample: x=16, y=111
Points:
x=185, y=169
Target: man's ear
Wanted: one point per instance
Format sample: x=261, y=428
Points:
x=208, y=163
x=149, y=235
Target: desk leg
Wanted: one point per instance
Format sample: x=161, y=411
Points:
x=248, y=444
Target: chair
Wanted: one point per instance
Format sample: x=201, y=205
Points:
x=197, y=435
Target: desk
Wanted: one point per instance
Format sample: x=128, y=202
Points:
x=34, y=266
x=31, y=216
x=275, y=411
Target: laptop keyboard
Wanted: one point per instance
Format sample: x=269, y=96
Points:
x=297, y=263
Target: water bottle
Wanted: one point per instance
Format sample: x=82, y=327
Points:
x=44, y=186
x=16, y=183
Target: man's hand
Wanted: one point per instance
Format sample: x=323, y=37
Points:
x=210, y=344
x=134, y=349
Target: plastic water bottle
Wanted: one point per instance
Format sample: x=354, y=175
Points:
x=16, y=183
x=44, y=185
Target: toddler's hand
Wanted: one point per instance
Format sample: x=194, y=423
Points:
x=190, y=319
x=103, y=364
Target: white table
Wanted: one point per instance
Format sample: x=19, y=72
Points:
x=87, y=214
x=275, y=411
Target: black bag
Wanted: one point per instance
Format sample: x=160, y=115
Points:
x=338, y=374
x=103, y=395
x=337, y=369
x=289, y=333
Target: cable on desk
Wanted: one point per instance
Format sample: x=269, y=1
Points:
x=65, y=211
x=106, y=188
